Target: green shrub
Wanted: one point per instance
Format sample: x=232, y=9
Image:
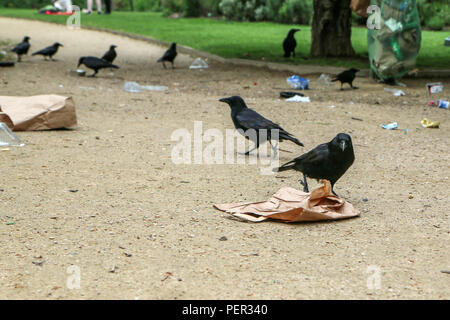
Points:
x=435, y=23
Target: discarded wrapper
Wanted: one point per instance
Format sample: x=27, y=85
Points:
x=291, y=205
x=298, y=98
x=390, y=126
x=298, y=83
x=8, y=138
x=289, y=94
x=434, y=87
x=430, y=124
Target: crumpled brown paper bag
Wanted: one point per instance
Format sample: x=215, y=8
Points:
x=291, y=205
x=360, y=7
x=41, y=112
x=6, y=119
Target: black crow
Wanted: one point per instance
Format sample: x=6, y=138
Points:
x=245, y=118
x=111, y=54
x=169, y=55
x=347, y=76
x=22, y=48
x=289, y=43
x=326, y=161
x=95, y=64
x=49, y=51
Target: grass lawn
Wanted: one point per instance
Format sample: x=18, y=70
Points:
x=255, y=40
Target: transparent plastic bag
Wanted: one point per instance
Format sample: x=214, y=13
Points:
x=393, y=48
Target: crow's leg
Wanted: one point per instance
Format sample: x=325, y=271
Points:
x=19, y=58
x=293, y=53
x=304, y=183
x=342, y=85
x=351, y=85
x=93, y=75
x=173, y=67
x=274, y=148
x=248, y=152
x=164, y=65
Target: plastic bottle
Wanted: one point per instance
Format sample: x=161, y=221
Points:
x=443, y=104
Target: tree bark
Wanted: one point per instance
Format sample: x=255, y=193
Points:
x=332, y=29
x=131, y=5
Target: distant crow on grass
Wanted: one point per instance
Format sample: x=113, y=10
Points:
x=289, y=43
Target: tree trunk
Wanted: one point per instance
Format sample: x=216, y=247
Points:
x=332, y=29
x=131, y=5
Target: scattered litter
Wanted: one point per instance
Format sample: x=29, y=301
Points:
x=390, y=126
x=288, y=94
x=199, y=63
x=332, y=107
x=223, y=238
x=78, y=72
x=430, y=124
x=395, y=92
x=131, y=86
x=359, y=119
x=324, y=80
x=8, y=138
x=291, y=205
x=445, y=271
x=298, y=83
x=298, y=98
x=435, y=87
x=443, y=104
x=447, y=41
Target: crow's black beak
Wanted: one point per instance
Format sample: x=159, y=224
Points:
x=224, y=100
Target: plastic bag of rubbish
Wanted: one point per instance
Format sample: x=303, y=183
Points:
x=8, y=138
x=199, y=63
x=298, y=83
x=132, y=86
x=324, y=80
x=394, y=39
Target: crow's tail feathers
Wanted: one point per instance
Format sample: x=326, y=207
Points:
x=336, y=79
x=287, y=166
x=287, y=136
x=114, y=66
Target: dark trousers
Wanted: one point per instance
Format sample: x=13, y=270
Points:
x=108, y=6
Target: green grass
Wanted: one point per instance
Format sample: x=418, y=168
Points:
x=237, y=39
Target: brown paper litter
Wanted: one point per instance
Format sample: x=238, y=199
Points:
x=41, y=112
x=291, y=205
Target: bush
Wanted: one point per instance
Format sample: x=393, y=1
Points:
x=435, y=23
x=432, y=11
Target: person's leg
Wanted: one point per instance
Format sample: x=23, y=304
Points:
x=89, y=6
x=69, y=6
x=108, y=6
x=99, y=6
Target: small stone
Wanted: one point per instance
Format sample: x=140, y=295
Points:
x=365, y=199
x=223, y=238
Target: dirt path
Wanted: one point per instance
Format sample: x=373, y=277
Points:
x=142, y=227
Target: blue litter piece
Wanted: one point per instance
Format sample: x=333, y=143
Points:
x=298, y=83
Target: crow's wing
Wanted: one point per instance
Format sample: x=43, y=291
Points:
x=21, y=47
x=314, y=157
x=95, y=62
x=46, y=51
x=250, y=119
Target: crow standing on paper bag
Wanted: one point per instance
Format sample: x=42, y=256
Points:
x=326, y=161
x=245, y=118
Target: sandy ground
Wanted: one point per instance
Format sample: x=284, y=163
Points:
x=142, y=227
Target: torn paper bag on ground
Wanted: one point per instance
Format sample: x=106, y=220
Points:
x=291, y=205
x=41, y=112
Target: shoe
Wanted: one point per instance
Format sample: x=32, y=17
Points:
x=99, y=12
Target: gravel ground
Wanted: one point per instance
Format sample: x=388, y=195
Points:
x=141, y=227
